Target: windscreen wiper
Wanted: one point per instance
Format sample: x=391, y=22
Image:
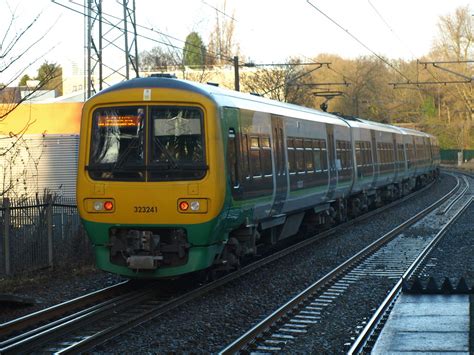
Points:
x=111, y=167
x=178, y=167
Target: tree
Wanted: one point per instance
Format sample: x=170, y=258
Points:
x=52, y=75
x=24, y=79
x=15, y=59
x=284, y=83
x=455, y=44
x=194, y=52
x=158, y=59
x=456, y=36
x=222, y=46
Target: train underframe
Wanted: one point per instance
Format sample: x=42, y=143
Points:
x=248, y=239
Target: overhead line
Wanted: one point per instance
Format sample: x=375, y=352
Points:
x=222, y=12
x=295, y=78
x=212, y=55
x=282, y=64
x=357, y=40
x=390, y=28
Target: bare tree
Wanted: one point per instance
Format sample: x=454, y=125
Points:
x=222, y=46
x=159, y=59
x=456, y=37
x=16, y=47
x=285, y=83
x=455, y=45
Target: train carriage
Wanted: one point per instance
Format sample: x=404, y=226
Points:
x=176, y=177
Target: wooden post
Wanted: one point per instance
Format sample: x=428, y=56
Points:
x=49, y=223
x=6, y=235
x=236, y=74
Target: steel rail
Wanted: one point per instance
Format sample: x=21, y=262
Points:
x=34, y=338
x=106, y=334
x=246, y=339
x=461, y=194
x=366, y=333
x=48, y=314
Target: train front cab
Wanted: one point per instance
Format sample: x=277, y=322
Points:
x=150, y=187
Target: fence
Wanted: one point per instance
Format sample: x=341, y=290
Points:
x=41, y=233
x=450, y=156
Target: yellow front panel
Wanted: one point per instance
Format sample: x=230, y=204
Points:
x=153, y=202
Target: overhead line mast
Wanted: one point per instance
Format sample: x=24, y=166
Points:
x=112, y=36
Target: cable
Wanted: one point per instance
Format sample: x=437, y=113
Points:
x=295, y=78
x=358, y=40
x=440, y=82
x=211, y=55
x=215, y=8
x=390, y=28
x=343, y=76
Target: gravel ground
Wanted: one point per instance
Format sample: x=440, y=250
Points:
x=210, y=323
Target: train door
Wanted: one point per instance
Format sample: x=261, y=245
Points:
x=331, y=160
x=395, y=165
x=375, y=160
x=280, y=179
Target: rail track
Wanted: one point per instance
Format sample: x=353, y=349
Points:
x=388, y=257
x=367, y=337
x=84, y=328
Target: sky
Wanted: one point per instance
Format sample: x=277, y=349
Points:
x=268, y=31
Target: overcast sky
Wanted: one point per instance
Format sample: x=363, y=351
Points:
x=267, y=30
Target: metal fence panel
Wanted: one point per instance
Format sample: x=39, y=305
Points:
x=451, y=155
x=41, y=233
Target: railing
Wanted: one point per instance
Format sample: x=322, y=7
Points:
x=42, y=232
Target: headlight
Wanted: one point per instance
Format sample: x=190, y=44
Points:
x=195, y=205
x=93, y=205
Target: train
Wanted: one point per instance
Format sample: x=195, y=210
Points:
x=177, y=177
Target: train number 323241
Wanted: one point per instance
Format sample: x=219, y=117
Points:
x=145, y=209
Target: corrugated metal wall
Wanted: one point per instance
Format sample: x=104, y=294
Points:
x=35, y=163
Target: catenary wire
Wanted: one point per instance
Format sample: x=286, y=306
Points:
x=208, y=54
x=358, y=40
x=390, y=28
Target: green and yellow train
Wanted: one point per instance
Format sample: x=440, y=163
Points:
x=176, y=177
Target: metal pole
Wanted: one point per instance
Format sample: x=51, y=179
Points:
x=89, y=48
x=137, y=72
x=101, y=73
x=125, y=30
x=236, y=74
x=49, y=222
x=6, y=234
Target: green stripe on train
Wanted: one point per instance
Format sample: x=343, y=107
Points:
x=201, y=253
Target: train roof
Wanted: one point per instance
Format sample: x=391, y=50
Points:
x=414, y=132
x=228, y=98
x=361, y=123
